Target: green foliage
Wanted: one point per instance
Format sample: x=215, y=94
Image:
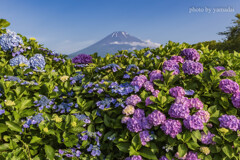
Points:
x=62, y=130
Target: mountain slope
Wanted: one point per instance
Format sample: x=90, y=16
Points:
x=112, y=43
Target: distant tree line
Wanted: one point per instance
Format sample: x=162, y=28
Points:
x=231, y=42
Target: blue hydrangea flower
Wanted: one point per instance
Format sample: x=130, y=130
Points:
x=77, y=78
x=12, y=78
x=10, y=40
x=37, y=61
x=113, y=66
x=121, y=55
x=143, y=71
x=2, y=111
x=129, y=67
x=20, y=59
x=82, y=117
x=126, y=76
x=33, y=120
x=148, y=53
x=122, y=89
x=63, y=107
x=105, y=103
x=43, y=102
x=120, y=102
x=94, y=149
x=189, y=92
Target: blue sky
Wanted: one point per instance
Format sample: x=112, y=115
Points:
x=67, y=26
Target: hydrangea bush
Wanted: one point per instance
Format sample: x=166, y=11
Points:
x=172, y=102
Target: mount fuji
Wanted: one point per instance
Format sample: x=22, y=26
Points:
x=114, y=42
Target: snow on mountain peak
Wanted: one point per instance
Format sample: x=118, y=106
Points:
x=120, y=33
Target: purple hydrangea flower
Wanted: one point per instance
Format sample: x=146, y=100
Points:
x=155, y=93
x=190, y=54
x=134, y=125
x=148, y=86
x=146, y=124
x=191, y=67
x=228, y=86
x=139, y=81
x=219, y=68
x=156, y=118
x=125, y=119
x=136, y=158
x=171, y=65
x=148, y=101
x=156, y=74
x=192, y=156
x=145, y=137
x=229, y=121
x=203, y=115
x=82, y=58
x=207, y=138
x=171, y=127
x=177, y=92
x=195, y=103
x=177, y=59
x=2, y=111
x=133, y=100
x=236, y=99
x=60, y=151
x=139, y=114
x=193, y=123
x=78, y=153
x=178, y=157
x=229, y=73
x=179, y=109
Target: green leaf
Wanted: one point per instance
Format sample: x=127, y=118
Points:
x=136, y=141
x=4, y=147
x=25, y=104
x=3, y=128
x=13, y=126
x=123, y=147
x=147, y=153
x=107, y=120
x=196, y=135
x=186, y=136
x=4, y=23
x=227, y=149
x=193, y=145
x=144, y=94
x=217, y=139
x=35, y=139
x=50, y=153
x=182, y=150
x=132, y=151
